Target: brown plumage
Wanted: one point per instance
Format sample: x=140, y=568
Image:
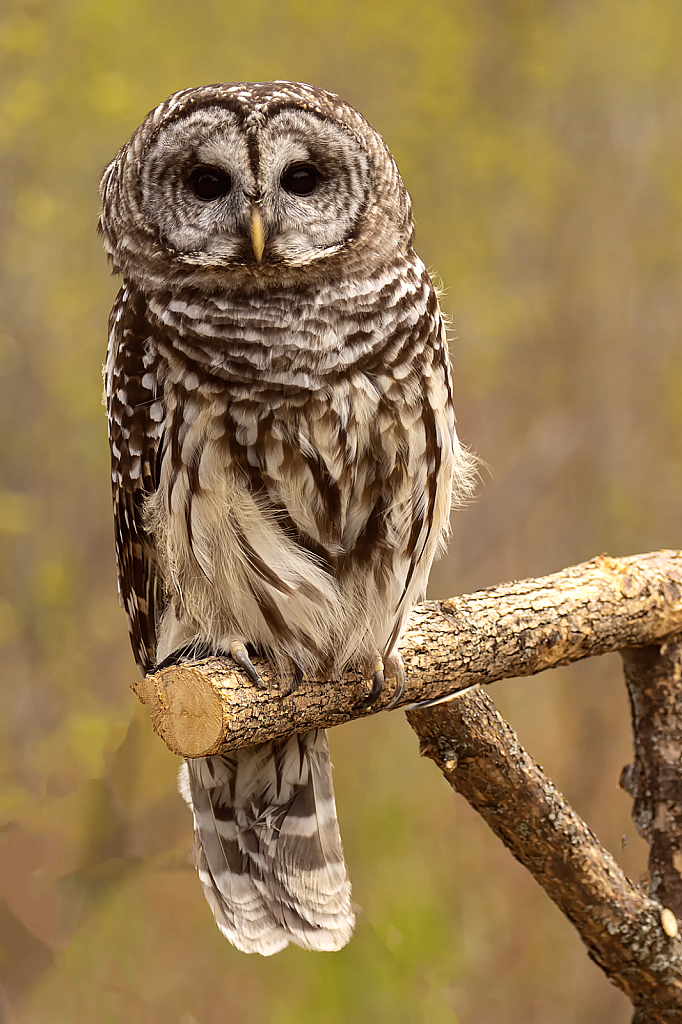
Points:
x=283, y=443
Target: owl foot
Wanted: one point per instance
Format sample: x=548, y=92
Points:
x=394, y=668
x=390, y=668
x=298, y=677
x=240, y=654
x=194, y=650
x=289, y=681
x=378, y=680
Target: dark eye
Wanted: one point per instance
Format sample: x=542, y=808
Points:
x=209, y=183
x=300, y=179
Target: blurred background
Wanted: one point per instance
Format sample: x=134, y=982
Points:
x=542, y=145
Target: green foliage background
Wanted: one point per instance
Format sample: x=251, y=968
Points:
x=541, y=143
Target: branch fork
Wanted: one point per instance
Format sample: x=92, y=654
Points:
x=632, y=605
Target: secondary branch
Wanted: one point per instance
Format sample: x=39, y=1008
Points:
x=628, y=934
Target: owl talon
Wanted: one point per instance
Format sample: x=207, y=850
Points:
x=400, y=684
x=378, y=681
x=241, y=656
x=195, y=650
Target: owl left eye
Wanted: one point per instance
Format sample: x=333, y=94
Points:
x=209, y=183
x=300, y=179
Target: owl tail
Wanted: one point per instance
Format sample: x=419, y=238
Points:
x=267, y=845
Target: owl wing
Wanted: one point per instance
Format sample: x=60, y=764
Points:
x=135, y=437
x=435, y=462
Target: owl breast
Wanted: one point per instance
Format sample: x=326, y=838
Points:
x=303, y=518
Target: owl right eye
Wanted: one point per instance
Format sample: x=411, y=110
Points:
x=209, y=183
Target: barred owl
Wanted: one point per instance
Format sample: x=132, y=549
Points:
x=283, y=445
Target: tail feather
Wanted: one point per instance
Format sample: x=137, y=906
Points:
x=267, y=845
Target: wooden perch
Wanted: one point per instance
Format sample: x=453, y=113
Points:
x=632, y=605
x=515, y=629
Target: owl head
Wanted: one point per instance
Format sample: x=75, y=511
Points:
x=240, y=185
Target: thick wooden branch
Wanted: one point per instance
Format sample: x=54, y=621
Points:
x=514, y=629
x=633, y=605
x=627, y=933
x=654, y=779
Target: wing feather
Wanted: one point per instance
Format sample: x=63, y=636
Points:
x=135, y=414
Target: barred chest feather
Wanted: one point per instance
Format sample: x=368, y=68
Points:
x=301, y=517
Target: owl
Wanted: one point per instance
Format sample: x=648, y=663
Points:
x=284, y=454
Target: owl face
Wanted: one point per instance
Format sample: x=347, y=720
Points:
x=290, y=193
x=227, y=183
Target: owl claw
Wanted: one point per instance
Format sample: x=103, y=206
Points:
x=298, y=676
x=290, y=683
x=400, y=683
x=195, y=650
x=377, y=686
x=241, y=656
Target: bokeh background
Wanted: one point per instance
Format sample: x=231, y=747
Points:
x=541, y=142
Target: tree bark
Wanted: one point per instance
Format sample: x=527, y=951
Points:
x=515, y=629
x=622, y=927
x=654, y=781
x=633, y=605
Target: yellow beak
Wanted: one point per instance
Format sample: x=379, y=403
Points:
x=257, y=238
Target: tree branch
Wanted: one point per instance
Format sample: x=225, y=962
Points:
x=654, y=781
x=623, y=928
x=515, y=629
x=629, y=604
